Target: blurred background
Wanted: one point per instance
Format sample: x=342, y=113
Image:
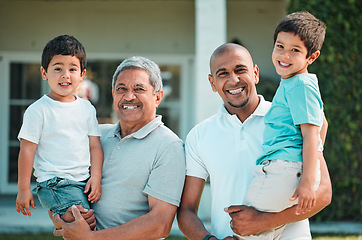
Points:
x=180, y=36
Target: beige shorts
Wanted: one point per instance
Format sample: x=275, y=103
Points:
x=274, y=183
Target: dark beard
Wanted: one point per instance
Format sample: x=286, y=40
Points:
x=239, y=106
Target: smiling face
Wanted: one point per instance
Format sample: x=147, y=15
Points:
x=134, y=100
x=233, y=77
x=290, y=55
x=64, y=75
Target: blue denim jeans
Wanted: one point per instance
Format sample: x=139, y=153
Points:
x=58, y=194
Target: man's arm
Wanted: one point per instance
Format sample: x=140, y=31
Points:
x=323, y=131
x=188, y=221
x=247, y=220
x=155, y=224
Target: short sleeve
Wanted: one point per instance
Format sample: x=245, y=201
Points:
x=167, y=176
x=31, y=128
x=93, y=127
x=305, y=104
x=195, y=167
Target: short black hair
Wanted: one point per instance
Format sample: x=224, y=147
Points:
x=310, y=29
x=63, y=45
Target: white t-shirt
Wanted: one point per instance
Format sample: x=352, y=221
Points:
x=226, y=149
x=61, y=130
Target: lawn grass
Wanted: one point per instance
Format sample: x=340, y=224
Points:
x=48, y=236
x=338, y=237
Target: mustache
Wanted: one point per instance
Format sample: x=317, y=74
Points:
x=128, y=103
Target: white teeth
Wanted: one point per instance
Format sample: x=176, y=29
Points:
x=64, y=84
x=284, y=64
x=130, y=107
x=236, y=91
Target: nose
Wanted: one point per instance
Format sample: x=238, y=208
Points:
x=234, y=77
x=66, y=74
x=284, y=54
x=129, y=95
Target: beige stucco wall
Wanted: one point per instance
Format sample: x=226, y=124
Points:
x=102, y=26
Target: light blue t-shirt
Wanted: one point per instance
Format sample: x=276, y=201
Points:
x=296, y=101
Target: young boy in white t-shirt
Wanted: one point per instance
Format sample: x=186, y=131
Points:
x=60, y=137
x=288, y=172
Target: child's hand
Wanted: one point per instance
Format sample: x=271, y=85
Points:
x=306, y=198
x=23, y=202
x=95, y=187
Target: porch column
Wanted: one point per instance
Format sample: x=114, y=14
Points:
x=210, y=33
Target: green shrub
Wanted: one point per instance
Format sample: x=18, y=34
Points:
x=339, y=72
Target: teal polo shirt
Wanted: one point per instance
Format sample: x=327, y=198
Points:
x=297, y=101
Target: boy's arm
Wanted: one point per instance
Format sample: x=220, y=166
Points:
x=25, y=198
x=96, y=155
x=305, y=191
x=247, y=220
x=96, y=159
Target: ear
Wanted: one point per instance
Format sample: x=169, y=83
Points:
x=159, y=97
x=256, y=73
x=82, y=75
x=313, y=57
x=211, y=80
x=43, y=73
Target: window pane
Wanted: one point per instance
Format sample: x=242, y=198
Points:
x=25, y=81
x=100, y=74
x=170, y=105
x=25, y=88
x=16, y=119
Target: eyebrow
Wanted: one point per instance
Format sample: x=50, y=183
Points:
x=60, y=63
x=295, y=46
x=137, y=85
x=236, y=66
x=241, y=66
x=57, y=63
x=220, y=70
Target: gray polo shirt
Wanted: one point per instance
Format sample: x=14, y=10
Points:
x=150, y=161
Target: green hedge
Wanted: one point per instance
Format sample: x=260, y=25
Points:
x=339, y=72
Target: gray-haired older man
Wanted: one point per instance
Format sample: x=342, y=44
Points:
x=144, y=163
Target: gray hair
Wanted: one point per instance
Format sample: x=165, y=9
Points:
x=142, y=63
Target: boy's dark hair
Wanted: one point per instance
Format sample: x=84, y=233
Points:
x=310, y=29
x=63, y=45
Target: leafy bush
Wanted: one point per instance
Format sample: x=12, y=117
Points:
x=339, y=72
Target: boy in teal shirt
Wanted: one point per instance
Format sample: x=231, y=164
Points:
x=292, y=125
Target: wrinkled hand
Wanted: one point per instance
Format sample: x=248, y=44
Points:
x=306, y=198
x=88, y=216
x=24, y=200
x=76, y=230
x=94, y=186
x=245, y=220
